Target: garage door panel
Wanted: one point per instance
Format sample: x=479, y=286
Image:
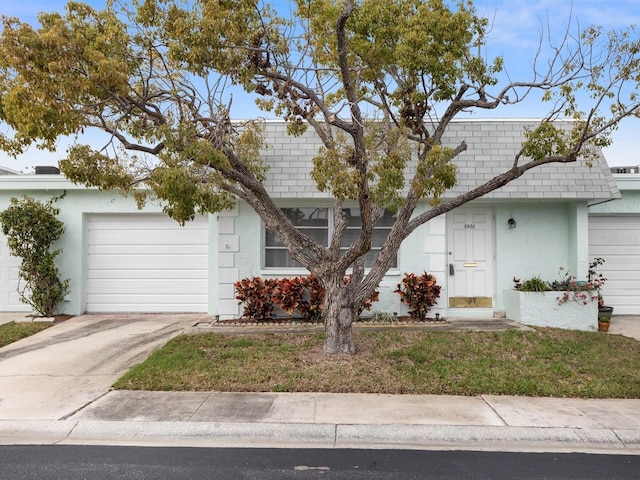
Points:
x=141, y=249
x=145, y=304
x=148, y=274
x=171, y=286
x=620, y=255
x=146, y=263
x=617, y=240
x=143, y=237
x=117, y=221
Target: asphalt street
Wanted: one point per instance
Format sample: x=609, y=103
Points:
x=135, y=463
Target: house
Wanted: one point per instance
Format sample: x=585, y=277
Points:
x=120, y=259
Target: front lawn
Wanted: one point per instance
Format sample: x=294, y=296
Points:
x=544, y=362
x=12, y=331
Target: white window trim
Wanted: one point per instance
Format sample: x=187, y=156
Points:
x=264, y=270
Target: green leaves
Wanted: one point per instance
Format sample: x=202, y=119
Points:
x=95, y=169
x=51, y=74
x=545, y=140
x=32, y=228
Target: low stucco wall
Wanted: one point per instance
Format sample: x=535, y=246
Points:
x=541, y=309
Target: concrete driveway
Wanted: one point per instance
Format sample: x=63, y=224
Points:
x=58, y=371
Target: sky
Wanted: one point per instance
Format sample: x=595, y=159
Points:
x=515, y=33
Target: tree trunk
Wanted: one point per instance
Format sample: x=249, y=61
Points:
x=339, y=313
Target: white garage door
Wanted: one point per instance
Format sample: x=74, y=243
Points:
x=9, y=268
x=617, y=240
x=146, y=263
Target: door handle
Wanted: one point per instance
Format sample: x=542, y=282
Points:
x=451, y=270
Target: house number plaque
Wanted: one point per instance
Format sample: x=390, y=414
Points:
x=470, y=226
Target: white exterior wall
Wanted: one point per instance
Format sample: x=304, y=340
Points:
x=545, y=239
x=549, y=234
x=75, y=207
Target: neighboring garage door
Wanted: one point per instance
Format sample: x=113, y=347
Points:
x=9, y=268
x=617, y=240
x=146, y=263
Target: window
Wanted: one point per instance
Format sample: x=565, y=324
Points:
x=317, y=223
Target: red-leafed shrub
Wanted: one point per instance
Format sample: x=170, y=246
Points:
x=420, y=293
x=311, y=306
x=257, y=296
x=289, y=293
x=303, y=296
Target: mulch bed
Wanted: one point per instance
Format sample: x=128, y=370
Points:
x=403, y=320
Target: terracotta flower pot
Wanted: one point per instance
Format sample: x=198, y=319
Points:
x=603, y=326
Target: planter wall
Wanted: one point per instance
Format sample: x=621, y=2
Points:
x=541, y=309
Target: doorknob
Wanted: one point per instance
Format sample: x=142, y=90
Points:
x=451, y=270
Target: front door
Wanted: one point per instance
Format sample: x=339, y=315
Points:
x=470, y=257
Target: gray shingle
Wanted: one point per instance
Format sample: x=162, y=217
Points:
x=491, y=148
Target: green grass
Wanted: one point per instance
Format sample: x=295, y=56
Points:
x=12, y=332
x=544, y=362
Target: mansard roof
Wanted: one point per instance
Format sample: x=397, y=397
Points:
x=491, y=147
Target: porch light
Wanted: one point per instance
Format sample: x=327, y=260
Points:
x=511, y=222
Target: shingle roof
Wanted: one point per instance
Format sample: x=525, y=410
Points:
x=491, y=147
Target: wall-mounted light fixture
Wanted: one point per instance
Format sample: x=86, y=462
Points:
x=511, y=222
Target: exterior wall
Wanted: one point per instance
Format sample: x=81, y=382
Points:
x=77, y=204
x=629, y=204
x=425, y=250
x=550, y=234
x=543, y=241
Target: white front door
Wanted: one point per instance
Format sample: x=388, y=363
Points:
x=470, y=257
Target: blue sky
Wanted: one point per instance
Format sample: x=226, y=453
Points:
x=514, y=35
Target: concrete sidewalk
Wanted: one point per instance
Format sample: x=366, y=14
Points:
x=54, y=389
x=323, y=420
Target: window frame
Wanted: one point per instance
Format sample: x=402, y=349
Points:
x=329, y=229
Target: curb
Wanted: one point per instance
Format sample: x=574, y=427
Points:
x=290, y=435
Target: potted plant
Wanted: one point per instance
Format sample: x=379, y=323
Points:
x=605, y=312
x=603, y=322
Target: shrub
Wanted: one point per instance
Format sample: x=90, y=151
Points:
x=535, y=284
x=311, y=309
x=32, y=228
x=304, y=295
x=420, y=293
x=257, y=296
x=288, y=294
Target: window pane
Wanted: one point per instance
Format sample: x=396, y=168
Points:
x=317, y=217
x=379, y=236
x=319, y=235
x=354, y=219
x=270, y=240
x=279, y=258
x=371, y=256
x=386, y=220
x=350, y=236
